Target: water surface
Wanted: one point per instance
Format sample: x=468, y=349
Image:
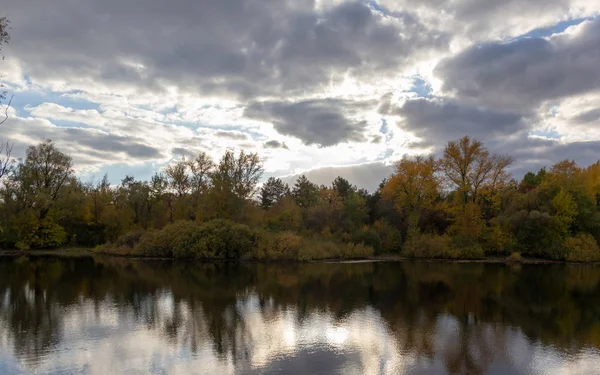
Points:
x=121, y=316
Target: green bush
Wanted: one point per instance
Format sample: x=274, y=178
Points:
x=43, y=235
x=216, y=239
x=391, y=238
x=582, y=248
x=161, y=243
x=467, y=247
x=367, y=237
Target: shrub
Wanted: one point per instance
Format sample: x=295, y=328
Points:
x=160, y=243
x=277, y=246
x=430, y=246
x=129, y=239
x=367, y=237
x=315, y=249
x=515, y=257
x=582, y=248
x=467, y=247
x=391, y=238
x=216, y=239
x=39, y=235
x=357, y=251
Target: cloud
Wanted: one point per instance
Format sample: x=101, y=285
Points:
x=236, y=136
x=525, y=73
x=234, y=48
x=491, y=20
x=275, y=144
x=439, y=120
x=316, y=122
x=304, y=83
x=367, y=176
x=90, y=148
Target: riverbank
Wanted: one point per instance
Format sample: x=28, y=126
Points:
x=83, y=252
x=61, y=252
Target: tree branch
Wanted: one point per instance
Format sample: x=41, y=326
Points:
x=6, y=110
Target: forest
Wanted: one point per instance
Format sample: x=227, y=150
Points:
x=463, y=205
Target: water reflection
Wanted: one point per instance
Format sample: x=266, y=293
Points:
x=109, y=315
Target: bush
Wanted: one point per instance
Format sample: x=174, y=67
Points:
x=277, y=246
x=515, y=257
x=582, y=248
x=315, y=249
x=161, y=243
x=129, y=239
x=391, y=238
x=467, y=247
x=367, y=237
x=430, y=246
x=357, y=251
x=216, y=239
x=39, y=235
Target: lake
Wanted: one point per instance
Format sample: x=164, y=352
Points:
x=123, y=316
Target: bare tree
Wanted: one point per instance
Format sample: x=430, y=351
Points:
x=5, y=160
x=4, y=39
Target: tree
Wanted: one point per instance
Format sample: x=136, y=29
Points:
x=468, y=167
x=240, y=175
x=414, y=185
x=4, y=39
x=233, y=181
x=272, y=192
x=177, y=177
x=134, y=200
x=343, y=187
x=305, y=192
x=5, y=160
x=201, y=168
x=41, y=178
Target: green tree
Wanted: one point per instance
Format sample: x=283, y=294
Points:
x=343, y=187
x=272, y=192
x=305, y=192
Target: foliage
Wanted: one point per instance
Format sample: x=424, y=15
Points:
x=216, y=239
x=277, y=246
x=391, y=238
x=430, y=246
x=582, y=248
x=161, y=243
x=368, y=237
x=305, y=192
x=272, y=192
x=462, y=205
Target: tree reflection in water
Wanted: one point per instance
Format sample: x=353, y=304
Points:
x=100, y=315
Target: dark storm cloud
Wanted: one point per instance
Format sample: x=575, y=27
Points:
x=318, y=122
x=87, y=143
x=588, y=116
x=532, y=153
x=275, y=144
x=237, y=47
x=527, y=72
x=99, y=141
x=441, y=120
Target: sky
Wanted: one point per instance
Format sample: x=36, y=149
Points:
x=321, y=87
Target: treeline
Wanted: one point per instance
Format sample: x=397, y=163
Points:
x=462, y=205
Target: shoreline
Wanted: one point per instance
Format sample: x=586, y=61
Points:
x=90, y=253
